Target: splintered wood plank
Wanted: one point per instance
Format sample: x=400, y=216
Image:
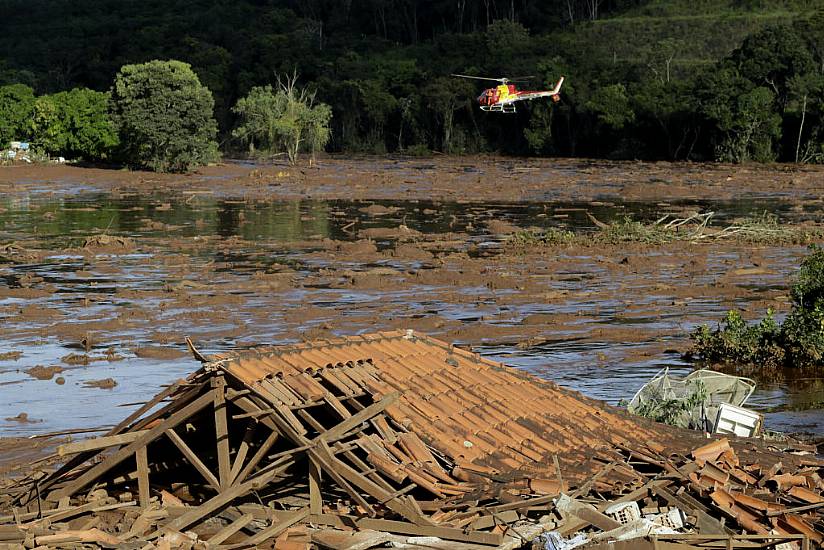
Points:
x=57, y=515
x=142, y=459
x=340, y=480
x=317, y=426
x=185, y=397
x=274, y=530
x=315, y=500
x=119, y=456
x=78, y=459
x=193, y=459
x=343, y=471
x=257, y=457
x=406, y=528
x=285, y=420
x=335, y=403
x=243, y=450
x=199, y=512
x=230, y=529
x=224, y=465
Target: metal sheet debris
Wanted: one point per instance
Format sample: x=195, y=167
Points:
x=703, y=400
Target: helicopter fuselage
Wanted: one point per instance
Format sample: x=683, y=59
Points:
x=502, y=98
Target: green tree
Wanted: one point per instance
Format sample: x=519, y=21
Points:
x=164, y=116
x=446, y=96
x=612, y=107
x=47, y=132
x=16, y=106
x=806, y=94
x=377, y=104
x=551, y=126
x=772, y=57
x=665, y=117
x=744, y=116
x=285, y=119
x=506, y=42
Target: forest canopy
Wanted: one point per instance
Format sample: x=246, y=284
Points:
x=737, y=80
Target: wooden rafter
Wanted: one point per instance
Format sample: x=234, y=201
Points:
x=119, y=456
x=243, y=450
x=193, y=459
x=221, y=431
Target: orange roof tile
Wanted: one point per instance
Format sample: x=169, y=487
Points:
x=467, y=407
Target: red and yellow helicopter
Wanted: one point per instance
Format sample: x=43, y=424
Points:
x=502, y=98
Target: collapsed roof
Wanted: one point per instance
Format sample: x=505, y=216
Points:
x=395, y=432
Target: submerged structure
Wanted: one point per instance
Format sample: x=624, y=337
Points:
x=397, y=437
x=703, y=400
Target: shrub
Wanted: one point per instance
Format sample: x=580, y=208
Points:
x=628, y=230
x=797, y=342
x=675, y=412
x=739, y=342
x=164, y=116
x=802, y=333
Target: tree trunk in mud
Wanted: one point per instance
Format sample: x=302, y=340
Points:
x=801, y=128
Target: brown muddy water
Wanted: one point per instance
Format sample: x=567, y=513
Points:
x=90, y=327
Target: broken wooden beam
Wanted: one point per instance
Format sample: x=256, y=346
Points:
x=406, y=528
x=111, y=461
x=98, y=443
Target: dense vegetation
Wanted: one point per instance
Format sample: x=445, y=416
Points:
x=733, y=80
x=74, y=123
x=798, y=342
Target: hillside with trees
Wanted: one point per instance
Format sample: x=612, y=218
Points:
x=734, y=80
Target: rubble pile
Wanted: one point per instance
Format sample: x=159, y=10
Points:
x=396, y=439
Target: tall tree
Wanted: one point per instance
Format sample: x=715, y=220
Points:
x=164, y=116
x=283, y=119
x=16, y=107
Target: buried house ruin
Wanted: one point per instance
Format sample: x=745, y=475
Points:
x=360, y=439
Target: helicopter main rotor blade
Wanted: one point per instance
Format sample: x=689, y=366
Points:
x=521, y=78
x=479, y=77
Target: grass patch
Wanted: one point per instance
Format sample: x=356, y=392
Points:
x=764, y=229
x=628, y=230
x=529, y=238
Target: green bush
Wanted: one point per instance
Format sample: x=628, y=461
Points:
x=164, y=116
x=74, y=124
x=798, y=342
x=675, y=412
x=802, y=333
x=739, y=342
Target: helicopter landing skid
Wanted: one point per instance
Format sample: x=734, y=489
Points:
x=507, y=108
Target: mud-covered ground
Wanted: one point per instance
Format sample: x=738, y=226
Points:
x=103, y=273
x=461, y=179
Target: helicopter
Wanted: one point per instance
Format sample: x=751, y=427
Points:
x=502, y=98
